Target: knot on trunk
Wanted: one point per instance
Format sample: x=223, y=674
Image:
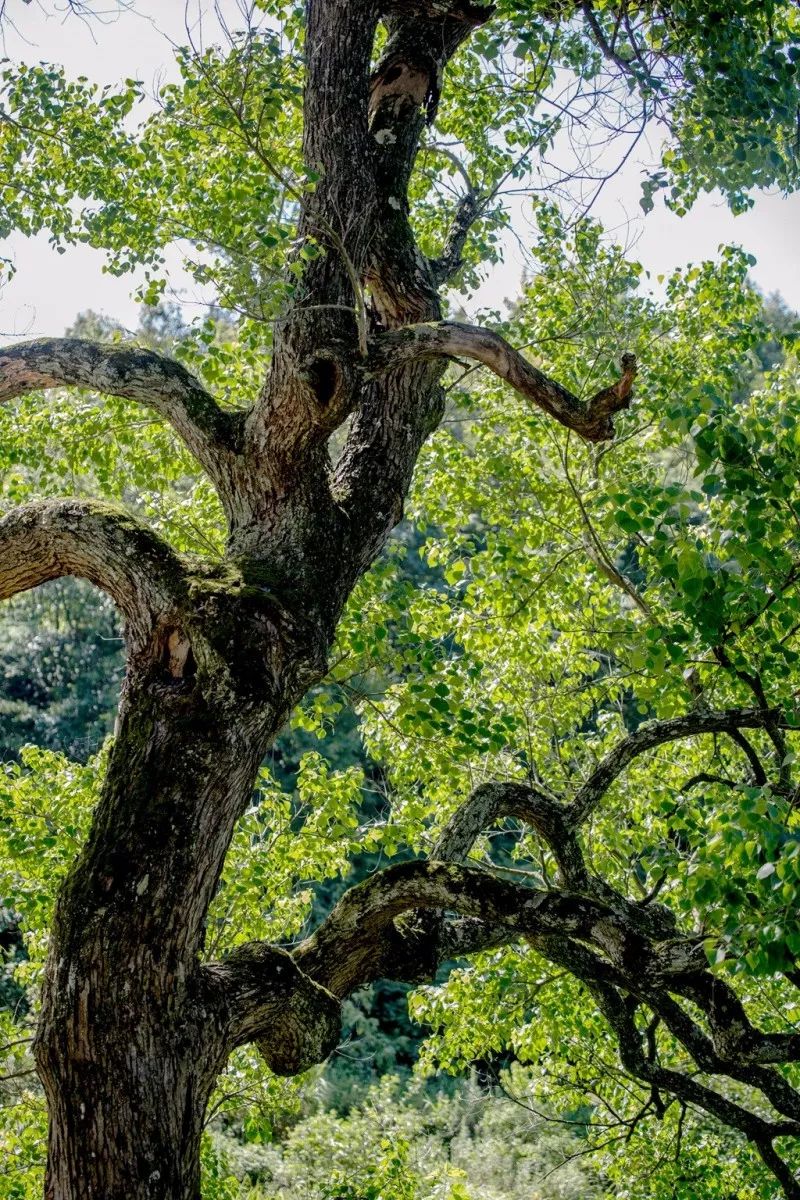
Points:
x=295, y=1022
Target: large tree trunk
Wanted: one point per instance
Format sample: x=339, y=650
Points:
x=130, y=1041
x=126, y=1103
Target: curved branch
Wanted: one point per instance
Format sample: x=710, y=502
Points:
x=129, y=371
x=94, y=541
x=452, y=339
x=757, y=771
x=359, y=942
x=491, y=801
x=626, y=954
x=551, y=821
x=656, y=733
x=268, y=1000
x=736, y=1040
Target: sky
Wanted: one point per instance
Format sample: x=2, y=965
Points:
x=49, y=289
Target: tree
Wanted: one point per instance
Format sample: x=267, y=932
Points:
x=322, y=228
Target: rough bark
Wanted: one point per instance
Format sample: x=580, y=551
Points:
x=132, y=1033
x=97, y=542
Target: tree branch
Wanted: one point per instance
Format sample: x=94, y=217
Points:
x=359, y=942
x=626, y=954
x=608, y=51
x=468, y=208
x=449, y=262
x=656, y=733
x=93, y=541
x=452, y=339
x=491, y=801
x=267, y=999
x=129, y=371
x=756, y=767
x=615, y=1001
x=550, y=819
x=404, y=96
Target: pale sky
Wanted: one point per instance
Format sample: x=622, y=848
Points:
x=49, y=289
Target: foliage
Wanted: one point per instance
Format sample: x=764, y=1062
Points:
x=584, y=591
x=411, y=1143
x=216, y=169
x=94, y=445
x=60, y=670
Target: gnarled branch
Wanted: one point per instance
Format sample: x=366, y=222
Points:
x=628, y=955
x=618, y=1006
x=129, y=371
x=358, y=941
x=491, y=801
x=592, y=419
x=91, y=540
x=268, y=1000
